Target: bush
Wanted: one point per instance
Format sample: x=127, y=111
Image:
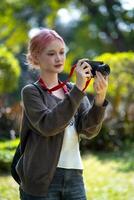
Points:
x=118, y=127
x=113, y=136
x=7, y=150
x=9, y=71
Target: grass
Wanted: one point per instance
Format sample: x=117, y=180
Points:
x=8, y=188
x=107, y=176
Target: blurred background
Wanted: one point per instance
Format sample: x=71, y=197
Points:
x=99, y=30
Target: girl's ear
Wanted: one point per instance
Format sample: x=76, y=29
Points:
x=35, y=59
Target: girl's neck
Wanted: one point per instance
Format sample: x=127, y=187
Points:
x=50, y=79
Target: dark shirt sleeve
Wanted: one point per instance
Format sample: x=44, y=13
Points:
x=49, y=122
x=90, y=118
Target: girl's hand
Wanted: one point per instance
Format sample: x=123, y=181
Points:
x=83, y=73
x=100, y=87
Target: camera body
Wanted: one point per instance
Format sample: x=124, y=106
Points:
x=99, y=66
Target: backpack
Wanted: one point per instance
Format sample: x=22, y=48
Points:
x=19, y=151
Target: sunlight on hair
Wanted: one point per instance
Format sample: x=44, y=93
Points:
x=66, y=49
x=33, y=32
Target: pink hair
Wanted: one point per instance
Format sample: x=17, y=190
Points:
x=40, y=42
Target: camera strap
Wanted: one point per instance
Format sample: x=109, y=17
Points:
x=62, y=84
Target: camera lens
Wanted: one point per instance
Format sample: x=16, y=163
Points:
x=104, y=69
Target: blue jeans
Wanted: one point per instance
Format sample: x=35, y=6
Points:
x=67, y=184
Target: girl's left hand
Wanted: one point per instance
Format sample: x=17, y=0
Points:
x=100, y=87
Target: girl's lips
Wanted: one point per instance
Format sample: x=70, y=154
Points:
x=57, y=66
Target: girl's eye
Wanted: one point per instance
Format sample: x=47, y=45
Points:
x=62, y=53
x=51, y=54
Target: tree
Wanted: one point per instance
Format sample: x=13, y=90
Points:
x=17, y=18
x=110, y=23
x=103, y=25
x=9, y=71
x=121, y=85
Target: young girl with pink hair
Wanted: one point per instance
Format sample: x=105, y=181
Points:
x=51, y=166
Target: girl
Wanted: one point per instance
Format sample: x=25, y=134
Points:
x=51, y=166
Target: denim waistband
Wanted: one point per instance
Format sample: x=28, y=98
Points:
x=63, y=171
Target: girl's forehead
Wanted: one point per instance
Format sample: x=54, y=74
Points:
x=55, y=45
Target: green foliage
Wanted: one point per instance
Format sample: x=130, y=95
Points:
x=90, y=33
x=13, y=28
x=113, y=136
x=9, y=145
x=121, y=84
x=117, y=129
x=7, y=150
x=5, y=160
x=17, y=18
x=9, y=71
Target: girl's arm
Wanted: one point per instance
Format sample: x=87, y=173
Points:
x=49, y=122
x=90, y=118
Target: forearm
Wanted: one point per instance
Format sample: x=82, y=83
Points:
x=90, y=121
x=49, y=122
x=99, y=100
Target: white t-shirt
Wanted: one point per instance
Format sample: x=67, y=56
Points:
x=70, y=157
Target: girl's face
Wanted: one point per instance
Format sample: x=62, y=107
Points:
x=52, y=58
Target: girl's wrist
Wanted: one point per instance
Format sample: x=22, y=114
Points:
x=99, y=100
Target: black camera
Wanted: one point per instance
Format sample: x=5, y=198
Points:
x=99, y=66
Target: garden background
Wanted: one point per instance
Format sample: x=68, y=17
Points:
x=96, y=29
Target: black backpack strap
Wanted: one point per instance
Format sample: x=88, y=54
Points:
x=39, y=89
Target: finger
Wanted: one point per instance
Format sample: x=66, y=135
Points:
x=97, y=89
x=82, y=60
x=106, y=78
x=89, y=66
x=100, y=77
x=87, y=71
x=85, y=65
x=88, y=76
x=99, y=85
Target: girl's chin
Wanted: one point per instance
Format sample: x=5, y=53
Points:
x=58, y=69
x=54, y=70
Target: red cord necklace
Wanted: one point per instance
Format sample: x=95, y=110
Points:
x=62, y=84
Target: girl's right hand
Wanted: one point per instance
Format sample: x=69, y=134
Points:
x=83, y=72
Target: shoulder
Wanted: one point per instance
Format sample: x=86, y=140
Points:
x=70, y=85
x=29, y=88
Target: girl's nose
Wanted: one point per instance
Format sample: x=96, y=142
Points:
x=58, y=57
